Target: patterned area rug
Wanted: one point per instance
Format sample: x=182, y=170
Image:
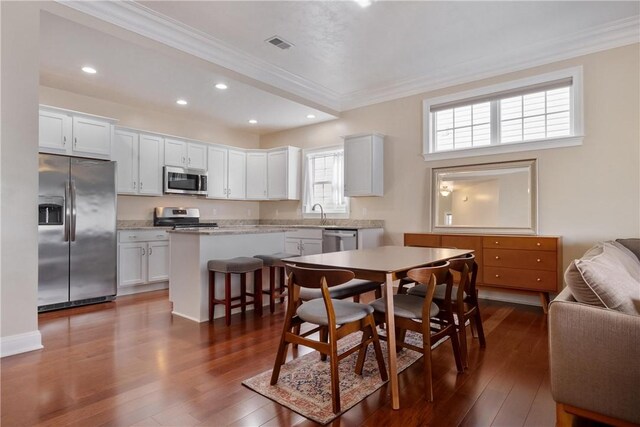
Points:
x=304, y=384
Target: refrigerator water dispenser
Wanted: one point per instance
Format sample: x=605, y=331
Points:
x=50, y=210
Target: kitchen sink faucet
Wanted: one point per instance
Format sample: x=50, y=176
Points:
x=323, y=216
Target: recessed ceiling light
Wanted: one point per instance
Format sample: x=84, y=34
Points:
x=364, y=3
x=181, y=102
x=253, y=121
x=221, y=86
x=89, y=70
x=311, y=116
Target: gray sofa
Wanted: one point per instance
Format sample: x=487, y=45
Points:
x=595, y=349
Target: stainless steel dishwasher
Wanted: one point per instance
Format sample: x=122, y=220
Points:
x=336, y=240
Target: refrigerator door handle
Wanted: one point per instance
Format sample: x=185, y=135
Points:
x=67, y=210
x=74, y=212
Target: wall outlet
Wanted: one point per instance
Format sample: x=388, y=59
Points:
x=364, y=212
x=215, y=211
x=277, y=213
x=249, y=213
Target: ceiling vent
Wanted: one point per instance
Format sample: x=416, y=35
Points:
x=279, y=42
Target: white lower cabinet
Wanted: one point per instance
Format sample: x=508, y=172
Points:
x=306, y=241
x=143, y=261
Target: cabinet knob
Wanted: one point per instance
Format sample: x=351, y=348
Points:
x=183, y=160
x=497, y=276
x=497, y=257
x=160, y=235
x=538, y=260
x=538, y=244
x=134, y=185
x=64, y=141
x=189, y=161
x=133, y=237
x=497, y=243
x=538, y=280
x=75, y=142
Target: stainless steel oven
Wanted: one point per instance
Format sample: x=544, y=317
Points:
x=184, y=181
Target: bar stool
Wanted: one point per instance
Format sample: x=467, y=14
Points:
x=242, y=266
x=274, y=262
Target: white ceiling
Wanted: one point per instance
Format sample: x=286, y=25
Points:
x=128, y=72
x=346, y=56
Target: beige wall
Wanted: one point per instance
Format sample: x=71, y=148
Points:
x=19, y=171
x=586, y=193
x=139, y=207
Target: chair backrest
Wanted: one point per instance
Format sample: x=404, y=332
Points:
x=468, y=275
x=430, y=277
x=312, y=277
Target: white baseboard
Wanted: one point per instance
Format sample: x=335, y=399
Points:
x=189, y=317
x=20, y=343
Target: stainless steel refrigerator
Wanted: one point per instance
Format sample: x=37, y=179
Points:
x=76, y=232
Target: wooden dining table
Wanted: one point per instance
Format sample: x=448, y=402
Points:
x=384, y=264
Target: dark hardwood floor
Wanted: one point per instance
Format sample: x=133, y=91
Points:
x=132, y=363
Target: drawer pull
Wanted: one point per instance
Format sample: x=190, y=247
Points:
x=538, y=244
x=538, y=280
x=497, y=276
x=497, y=257
x=162, y=235
x=538, y=260
x=497, y=243
x=133, y=237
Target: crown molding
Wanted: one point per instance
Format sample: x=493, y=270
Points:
x=611, y=35
x=161, y=28
x=153, y=25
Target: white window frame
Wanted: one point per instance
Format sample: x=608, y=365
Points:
x=574, y=139
x=305, y=186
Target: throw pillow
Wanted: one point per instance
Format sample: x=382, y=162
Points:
x=599, y=278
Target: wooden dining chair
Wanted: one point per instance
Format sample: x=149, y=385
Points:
x=464, y=301
x=415, y=313
x=336, y=319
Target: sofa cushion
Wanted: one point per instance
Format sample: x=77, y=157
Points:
x=600, y=278
x=626, y=258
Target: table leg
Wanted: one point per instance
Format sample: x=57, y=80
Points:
x=391, y=342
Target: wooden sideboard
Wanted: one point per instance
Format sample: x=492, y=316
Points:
x=514, y=263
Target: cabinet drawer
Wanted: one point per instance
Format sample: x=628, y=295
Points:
x=129, y=236
x=536, y=280
x=528, y=243
x=424, y=240
x=511, y=258
x=305, y=233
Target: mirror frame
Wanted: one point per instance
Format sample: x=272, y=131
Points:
x=531, y=164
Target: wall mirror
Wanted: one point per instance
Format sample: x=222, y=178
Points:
x=485, y=198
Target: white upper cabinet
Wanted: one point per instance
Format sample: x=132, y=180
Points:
x=74, y=134
x=125, y=153
x=175, y=152
x=364, y=165
x=217, y=173
x=196, y=156
x=150, y=165
x=237, y=174
x=139, y=158
x=256, y=175
x=283, y=174
x=185, y=154
x=91, y=137
x=226, y=173
x=54, y=132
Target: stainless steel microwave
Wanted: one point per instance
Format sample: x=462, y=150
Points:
x=184, y=181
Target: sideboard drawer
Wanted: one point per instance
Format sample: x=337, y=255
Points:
x=422, y=240
x=527, y=243
x=531, y=260
x=535, y=280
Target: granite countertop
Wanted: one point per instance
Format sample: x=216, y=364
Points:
x=249, y=229
x=252, y=226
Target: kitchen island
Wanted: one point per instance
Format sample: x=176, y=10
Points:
x=191, y=250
